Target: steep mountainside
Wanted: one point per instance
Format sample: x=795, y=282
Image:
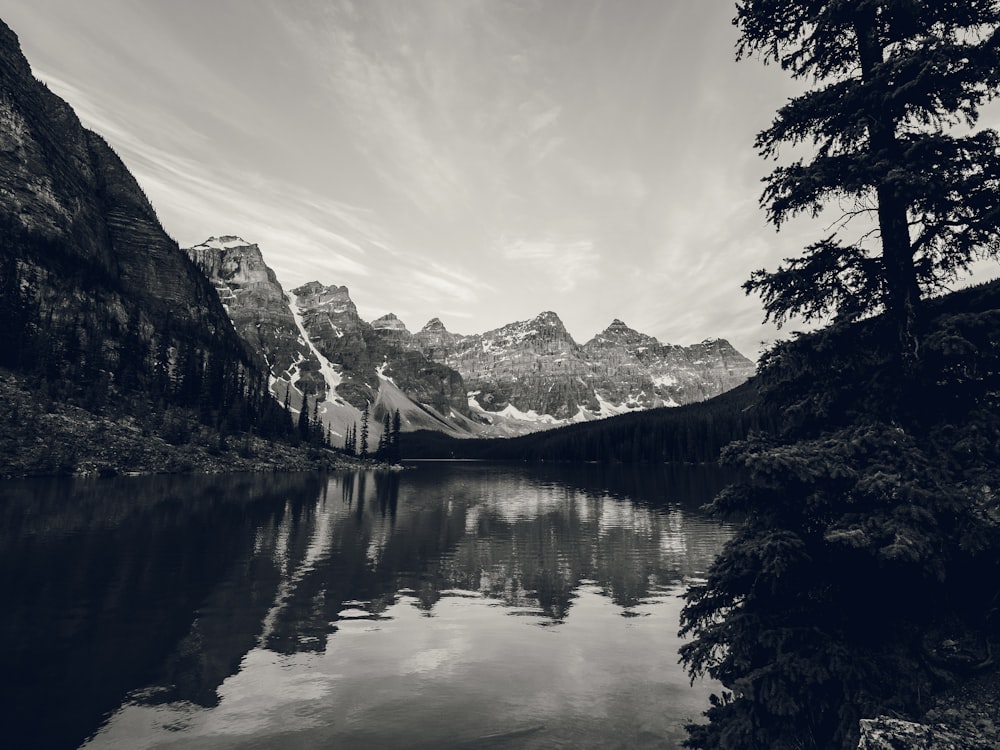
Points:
x=320, y=350
x=97, y=299
x=259, y=309
x=369, y=356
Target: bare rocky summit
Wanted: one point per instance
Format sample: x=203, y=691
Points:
x=535, y=366
x=259, y=309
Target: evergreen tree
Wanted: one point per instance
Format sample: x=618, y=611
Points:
x=350, y=439
x=860, y=534
x=863, y=517
x=896, y=84
x=394, y=438
x=317, y=433
x=383, y=440
x=303, y=423
x=364, y=433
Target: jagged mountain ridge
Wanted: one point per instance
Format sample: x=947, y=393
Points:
x=523, y=376
x=524, y=369
x=318, y=347
x=673, y=374
x=535, y=366
x=518, y=378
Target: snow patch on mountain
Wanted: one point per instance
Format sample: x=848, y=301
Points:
x=225, y=242
x=512, y=412
x=380, y=371
x=326, y=368
x=664, y=381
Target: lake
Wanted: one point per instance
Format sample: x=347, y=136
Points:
x=451, y=605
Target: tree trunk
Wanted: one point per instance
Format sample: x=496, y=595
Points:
x=902, y=292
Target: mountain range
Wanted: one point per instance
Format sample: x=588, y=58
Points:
x=518, y=378
x=102, y=308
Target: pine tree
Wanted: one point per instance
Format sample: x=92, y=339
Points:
x=383, y=440
x=394, y=438
x=303, y=422
x=861, y=512
x=289, y=422
x=351, y=439
x=896, y=85
x=315, y=426
x=364, y=432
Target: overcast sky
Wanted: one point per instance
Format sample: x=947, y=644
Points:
x=476, y=160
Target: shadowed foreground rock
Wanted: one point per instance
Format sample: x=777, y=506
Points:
x=885, y=733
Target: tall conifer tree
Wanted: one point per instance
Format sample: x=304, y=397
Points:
x=303, y=423
x=394, y=437
x=385, y=438
x=364, y=433
x=860, y=511
x=897, y=87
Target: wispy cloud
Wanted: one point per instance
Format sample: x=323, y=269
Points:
x=383, y=86
x=566, y=264
x=196, y=199
x=467, y=158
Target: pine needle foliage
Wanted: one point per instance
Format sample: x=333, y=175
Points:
x=869, y=524
x=871, y=507
x=891, y=113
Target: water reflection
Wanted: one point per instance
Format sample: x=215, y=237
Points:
x=169, y=591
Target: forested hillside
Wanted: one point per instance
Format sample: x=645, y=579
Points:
x=692, y=433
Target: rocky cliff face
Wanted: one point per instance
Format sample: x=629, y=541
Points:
x=371, y=354
x=110, y=294
x=633, y=367
x=319, y=349
x=259, y=310
x=533, y=371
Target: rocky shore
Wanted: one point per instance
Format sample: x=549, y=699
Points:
x=963, y=717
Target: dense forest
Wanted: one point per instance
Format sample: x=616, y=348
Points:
x=864, y=580
x=693, y=433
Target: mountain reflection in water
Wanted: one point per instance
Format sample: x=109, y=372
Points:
x=353, y=609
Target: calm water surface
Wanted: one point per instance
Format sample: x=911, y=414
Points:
x=448, y=606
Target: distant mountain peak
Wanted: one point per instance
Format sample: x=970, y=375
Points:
x=315, y=287
x=434, y=325
x=548, y=317
x=225, y=242
x=620, y=334
x=618, y=326
x=388, y=322
x=331, y=300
